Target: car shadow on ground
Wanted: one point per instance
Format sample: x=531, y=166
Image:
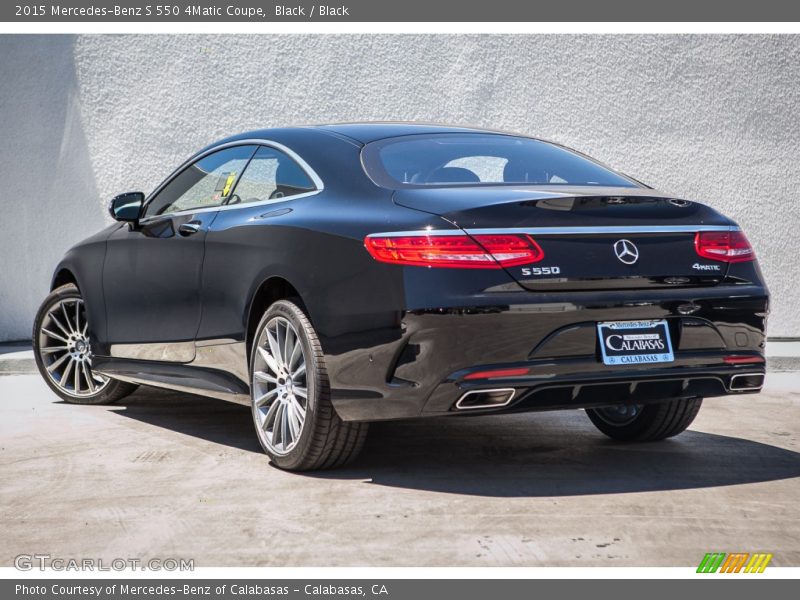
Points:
x=522, y=455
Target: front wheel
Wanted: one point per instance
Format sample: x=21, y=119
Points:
x=294, y=418
x=63, y=352
x=645, y=423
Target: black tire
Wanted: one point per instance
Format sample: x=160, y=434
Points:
x=649, y=423
x=325, y=441
x=108, y=392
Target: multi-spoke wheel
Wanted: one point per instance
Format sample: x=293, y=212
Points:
x=280, y=385
x=63, y=351
x=292, y=412
x=645, y=422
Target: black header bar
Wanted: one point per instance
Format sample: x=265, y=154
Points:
x=256, y=11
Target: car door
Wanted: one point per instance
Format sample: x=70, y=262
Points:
x=252, y=235
x=152, y=271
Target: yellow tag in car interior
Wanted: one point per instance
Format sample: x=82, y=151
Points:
x=228, y=183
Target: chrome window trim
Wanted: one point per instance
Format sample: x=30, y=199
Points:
x=589, y=230
x=312, y=174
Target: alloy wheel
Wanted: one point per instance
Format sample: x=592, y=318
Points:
x=65, y=350
x=279, y=386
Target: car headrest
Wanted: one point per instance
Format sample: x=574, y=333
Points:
x=519, y=172
x=453, y=175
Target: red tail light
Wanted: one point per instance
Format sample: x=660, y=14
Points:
x=727, y=246
x=456, y=251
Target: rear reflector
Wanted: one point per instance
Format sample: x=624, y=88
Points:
x=457, y=251
x=498, y=373
x=727, y=246
x=742, y=360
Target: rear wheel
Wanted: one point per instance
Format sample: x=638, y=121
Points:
x=63, y=352
x=645, y=422
x=295, y=421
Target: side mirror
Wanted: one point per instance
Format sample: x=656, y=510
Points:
x=126, y=207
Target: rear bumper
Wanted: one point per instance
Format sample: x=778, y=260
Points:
x=579, y=385
x=419, y=365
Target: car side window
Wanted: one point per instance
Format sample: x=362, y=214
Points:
x=205, y=183
x=271, y=175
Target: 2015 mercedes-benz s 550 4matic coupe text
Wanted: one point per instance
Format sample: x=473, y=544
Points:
x=335, y=275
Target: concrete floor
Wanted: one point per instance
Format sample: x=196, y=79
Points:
x=169, y=475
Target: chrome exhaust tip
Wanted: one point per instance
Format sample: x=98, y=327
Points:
x=742, y=382
x=494, y=398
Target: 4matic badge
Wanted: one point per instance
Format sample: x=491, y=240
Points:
x=699, y=267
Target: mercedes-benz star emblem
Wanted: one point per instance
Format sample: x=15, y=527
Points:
x=626, y=251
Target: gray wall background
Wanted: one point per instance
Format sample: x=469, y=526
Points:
x=711, y=118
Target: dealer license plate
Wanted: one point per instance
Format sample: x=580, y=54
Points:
x=635, y=342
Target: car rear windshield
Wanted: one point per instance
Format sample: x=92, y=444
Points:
x=475, y=159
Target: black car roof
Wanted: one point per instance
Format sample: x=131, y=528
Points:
x=370, y=132
x=360, y=133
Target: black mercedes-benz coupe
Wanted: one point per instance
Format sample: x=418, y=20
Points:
x=334, y=275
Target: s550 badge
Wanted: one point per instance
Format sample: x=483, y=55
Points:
x=528, y=271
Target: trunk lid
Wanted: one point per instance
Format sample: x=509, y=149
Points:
x=592, y=238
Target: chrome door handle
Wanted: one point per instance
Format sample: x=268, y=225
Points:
x=189, y=228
